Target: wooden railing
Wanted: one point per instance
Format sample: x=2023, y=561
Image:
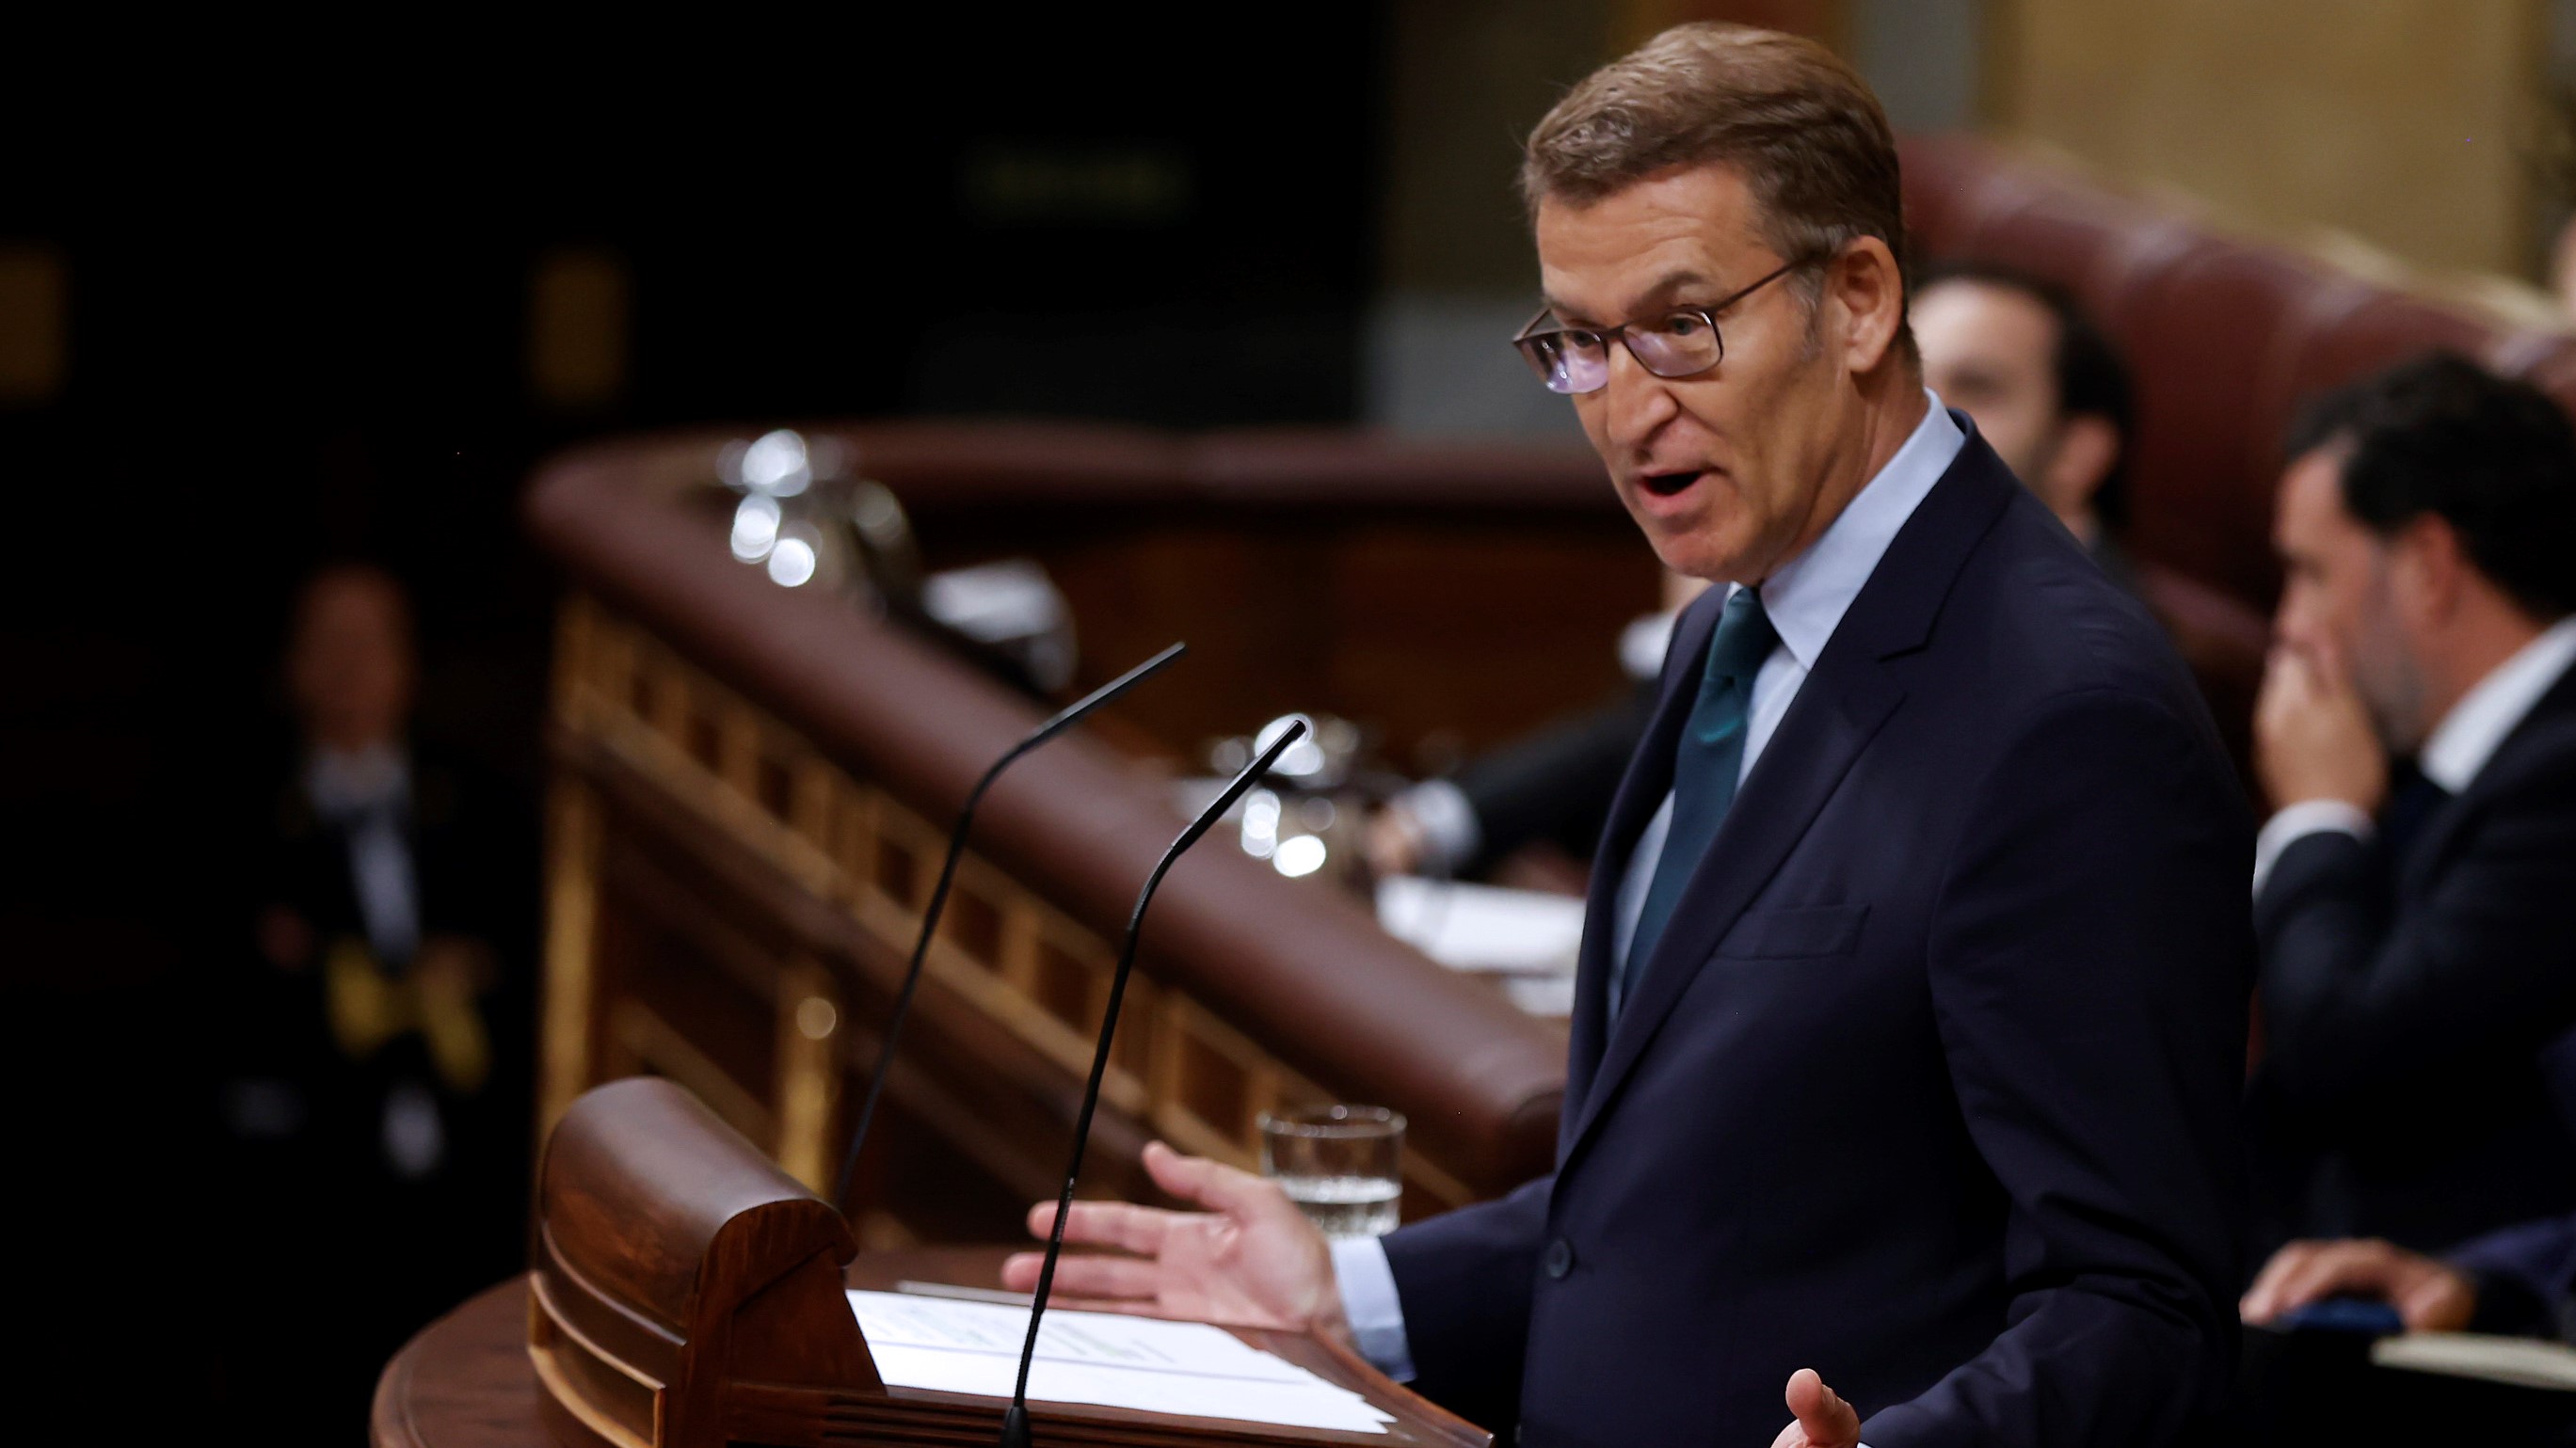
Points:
x=751, y=796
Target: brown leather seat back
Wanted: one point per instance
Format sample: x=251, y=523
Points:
x=2203, y=337
x=2226, y=341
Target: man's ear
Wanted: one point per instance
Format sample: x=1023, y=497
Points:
x=2087, y=445
x=1864, y=280
x=2428, y=569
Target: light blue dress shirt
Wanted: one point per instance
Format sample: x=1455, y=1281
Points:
x=1806, y=598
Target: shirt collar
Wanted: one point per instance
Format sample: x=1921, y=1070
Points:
x=1807, y=596
x=343, y=782
x=2476, y=727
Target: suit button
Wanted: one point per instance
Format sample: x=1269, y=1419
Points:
x=1559, y=1258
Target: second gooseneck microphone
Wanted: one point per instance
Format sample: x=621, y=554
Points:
x=1071, y=715
x=1015, y=1423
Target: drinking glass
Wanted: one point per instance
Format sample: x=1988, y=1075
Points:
x=1341, y=1165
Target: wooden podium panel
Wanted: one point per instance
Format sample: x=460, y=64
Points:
x=465, y=1379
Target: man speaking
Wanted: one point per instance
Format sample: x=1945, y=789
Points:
x=1910, y=1020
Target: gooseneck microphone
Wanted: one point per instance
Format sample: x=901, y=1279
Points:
x=1015, y=1423
x=1071, y=715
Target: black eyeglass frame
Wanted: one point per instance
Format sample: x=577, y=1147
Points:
x=1534, y=335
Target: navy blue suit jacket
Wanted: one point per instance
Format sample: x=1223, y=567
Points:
x=1930, y=1082
x=2419, y=1073
x=2526, y=1276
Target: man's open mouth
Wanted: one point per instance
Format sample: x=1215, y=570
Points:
x=1664, y=485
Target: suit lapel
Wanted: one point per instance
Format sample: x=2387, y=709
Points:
x=1807, y=757
x=1838, y=710
x=1641, y=792
x=2534, y=737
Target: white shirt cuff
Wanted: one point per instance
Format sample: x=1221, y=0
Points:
x=1451, y=833
x=1369, y=1301
x=2296, y=822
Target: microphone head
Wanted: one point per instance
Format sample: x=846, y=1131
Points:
x=1065, y=717
x=1238, y=786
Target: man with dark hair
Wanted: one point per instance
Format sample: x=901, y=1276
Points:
x=1909, y=1029
x=2416, y=964
x=2049, y=392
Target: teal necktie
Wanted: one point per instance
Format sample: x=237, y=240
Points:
x=1706, y=760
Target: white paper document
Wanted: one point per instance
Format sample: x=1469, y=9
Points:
x=2523, y=1362
x=1100, y=1358
x=1483, y=927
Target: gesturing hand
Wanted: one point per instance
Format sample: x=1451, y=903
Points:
x=1251, y=1260
x=1818, y=1418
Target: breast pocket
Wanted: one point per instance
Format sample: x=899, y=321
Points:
x=1809, y=931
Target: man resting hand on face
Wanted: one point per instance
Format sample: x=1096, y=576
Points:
x=2417, y=736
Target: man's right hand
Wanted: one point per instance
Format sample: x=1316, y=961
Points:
x=1395, y=842
x=2313, y=738
x=1250, y=1260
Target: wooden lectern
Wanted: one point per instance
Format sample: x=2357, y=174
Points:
x=689, y=1294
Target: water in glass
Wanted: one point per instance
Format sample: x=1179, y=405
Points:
x=1346, y=1206
x=1341, y=1165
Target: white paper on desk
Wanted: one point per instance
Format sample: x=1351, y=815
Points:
x=1541, y=995
x=1483, y=927
x=2523, y=1362
x=1100, y=1358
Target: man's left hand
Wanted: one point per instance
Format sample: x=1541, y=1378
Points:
x=1818, y=1418
x=2312, y=735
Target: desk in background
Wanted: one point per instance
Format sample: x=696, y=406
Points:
x=753, y=783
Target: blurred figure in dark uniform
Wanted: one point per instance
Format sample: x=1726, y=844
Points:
x=373, y=1041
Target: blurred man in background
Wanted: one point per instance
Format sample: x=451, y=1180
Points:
x=2416, y=963
x=2048, y=391
x=1551, y=787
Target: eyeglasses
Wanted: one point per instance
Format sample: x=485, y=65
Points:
x=1686, y=341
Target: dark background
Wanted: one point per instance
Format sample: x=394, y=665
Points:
x=298, y=326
